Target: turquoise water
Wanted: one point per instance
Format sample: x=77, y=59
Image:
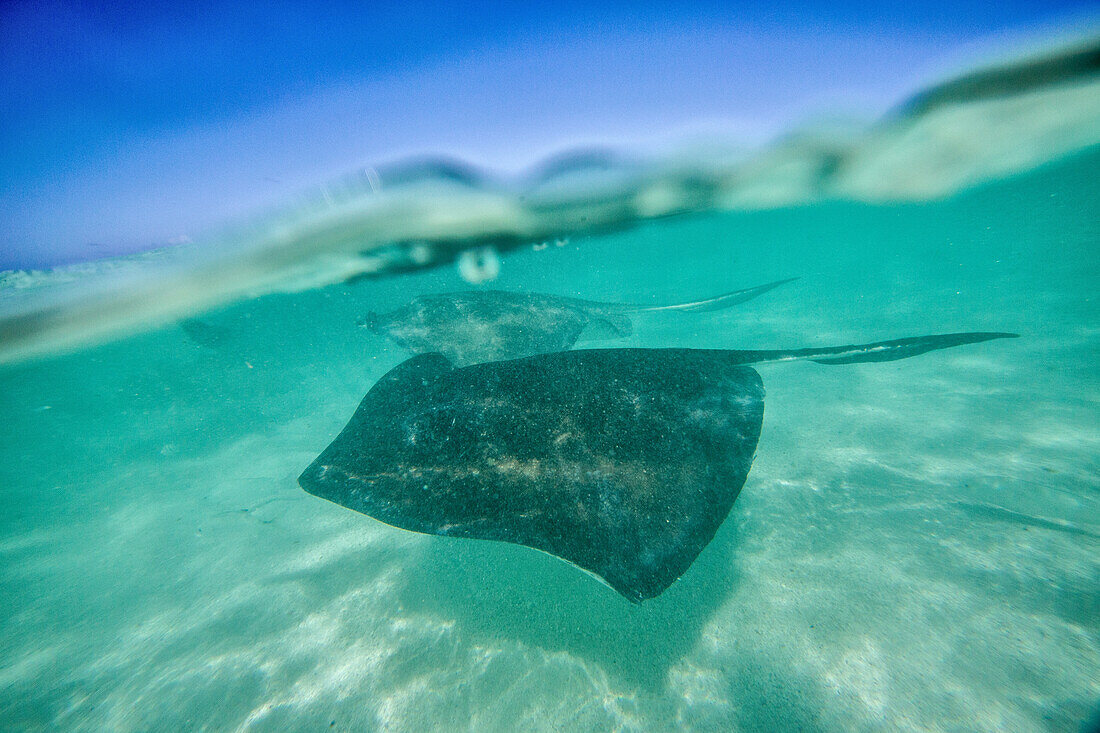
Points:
x=916, y=546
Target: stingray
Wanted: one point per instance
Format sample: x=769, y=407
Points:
x=493, y=325
x=624, y=462
x=206, y=334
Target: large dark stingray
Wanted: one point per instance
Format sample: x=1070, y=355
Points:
x=492, y=325
x=622, y=461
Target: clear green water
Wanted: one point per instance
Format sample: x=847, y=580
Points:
x=917, y=545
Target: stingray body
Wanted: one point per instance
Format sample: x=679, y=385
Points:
x=494, y=325
x=623, y=462
x=582, y=465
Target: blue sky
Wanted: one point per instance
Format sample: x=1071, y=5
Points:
x=135, y=125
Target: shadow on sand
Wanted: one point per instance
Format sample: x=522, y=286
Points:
x=495, y=591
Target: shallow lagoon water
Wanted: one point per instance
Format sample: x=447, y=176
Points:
x=917, y=545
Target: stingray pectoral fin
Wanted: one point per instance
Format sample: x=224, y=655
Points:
x=607, y=325
x=877, y=351
x=413, y=379
x=718, y=302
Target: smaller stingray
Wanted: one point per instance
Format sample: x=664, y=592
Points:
x=205, y=334
x=623, y=462
x=493, y=325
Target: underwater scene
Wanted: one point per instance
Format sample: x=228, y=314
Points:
x=800, y=437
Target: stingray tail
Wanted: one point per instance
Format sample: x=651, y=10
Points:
x=877, y=351
x=716, y=303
